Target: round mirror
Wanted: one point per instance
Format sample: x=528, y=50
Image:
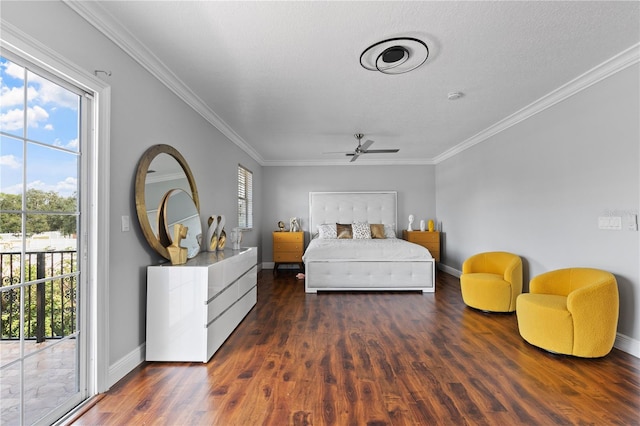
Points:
x=161, y=169
x=177, y=207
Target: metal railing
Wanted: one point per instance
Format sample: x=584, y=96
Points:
x=49, y=291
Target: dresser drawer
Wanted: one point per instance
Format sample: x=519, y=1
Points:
x=288, y=237
x=296, y=247
x=287, y=257
x=423, y=237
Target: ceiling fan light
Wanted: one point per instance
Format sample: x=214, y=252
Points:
x=395, y=55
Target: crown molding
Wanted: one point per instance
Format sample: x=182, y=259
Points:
x=361, y=162
x=104, y=22
x=598, y=73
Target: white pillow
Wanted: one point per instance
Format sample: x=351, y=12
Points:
x=361, y=231
x=390, y=231
x=327, y=231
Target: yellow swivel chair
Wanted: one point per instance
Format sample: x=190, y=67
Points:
x=492, y=281
x=570, y=311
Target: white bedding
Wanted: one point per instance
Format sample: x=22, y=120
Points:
x=367, y=249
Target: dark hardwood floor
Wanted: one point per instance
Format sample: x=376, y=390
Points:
x=375, y=359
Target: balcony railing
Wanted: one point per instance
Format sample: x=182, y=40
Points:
x=49, y=294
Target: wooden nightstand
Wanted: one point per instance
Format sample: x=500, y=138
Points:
x=287, y=248
x=429, y=240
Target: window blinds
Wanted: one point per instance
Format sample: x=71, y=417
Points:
x=245, y=198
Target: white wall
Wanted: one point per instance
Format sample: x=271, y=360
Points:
x=143, y=113
x=538, y=188
x=286, y=192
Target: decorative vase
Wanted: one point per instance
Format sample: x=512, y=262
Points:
x=236, y=238
x=431, y=225
x=410, y=226
x=212, y=233
x=222, y=235
x=422, y=226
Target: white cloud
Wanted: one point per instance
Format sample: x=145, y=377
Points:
x=14, y=119
x=51, y=93
x=10, y=161
x=73, y=144
x=13, y=70
x=64, y=188
x=48, y=126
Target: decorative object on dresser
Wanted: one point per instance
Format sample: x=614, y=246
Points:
x=428, y=240
x=177, y=207
x=410, y=225
x=422, y=225
x=178, y=254
x=281, y=226
x=193, y=308
x=431, y=226
x=287, y=248
x=222, y=235
x=294, y=225
x=236, y=238
x=212, y=233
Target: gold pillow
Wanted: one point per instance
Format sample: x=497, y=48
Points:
x=344, y=231
x=377, y=230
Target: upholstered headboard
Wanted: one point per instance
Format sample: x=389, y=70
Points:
x=350, y=207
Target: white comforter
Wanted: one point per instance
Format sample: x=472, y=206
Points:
x=374, y=249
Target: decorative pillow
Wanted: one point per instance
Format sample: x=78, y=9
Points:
x=361, y=231
x=377, y=231
x=344, y=231
x=390, y=231
x=327, y=231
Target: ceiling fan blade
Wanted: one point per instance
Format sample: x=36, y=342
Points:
x=366, y=145
x=380, y=151
x=355, y=157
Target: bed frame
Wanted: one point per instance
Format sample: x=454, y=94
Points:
x=363, y=275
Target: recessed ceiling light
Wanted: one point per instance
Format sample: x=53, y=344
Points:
x=395, y=55
x=452, y=96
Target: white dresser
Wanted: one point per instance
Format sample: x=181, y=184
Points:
x=193, y=308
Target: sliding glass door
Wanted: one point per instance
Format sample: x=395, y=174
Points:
x=44, y=131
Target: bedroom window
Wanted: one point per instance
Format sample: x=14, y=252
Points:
x=245, y=198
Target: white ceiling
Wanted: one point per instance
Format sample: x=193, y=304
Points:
x=283, y=79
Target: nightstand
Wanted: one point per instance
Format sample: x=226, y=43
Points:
x=429, y=240
x=287, y=248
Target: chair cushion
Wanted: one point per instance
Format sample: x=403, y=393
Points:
x=487, y=292
x=544, y=321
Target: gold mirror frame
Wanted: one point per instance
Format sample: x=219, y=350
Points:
x=141, y=177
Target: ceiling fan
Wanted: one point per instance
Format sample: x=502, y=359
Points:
x=363, y=148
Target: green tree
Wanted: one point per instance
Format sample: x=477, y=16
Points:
x=39, y=201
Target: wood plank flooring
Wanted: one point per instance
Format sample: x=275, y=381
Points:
x=375, y=359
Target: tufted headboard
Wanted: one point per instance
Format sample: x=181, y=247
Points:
x=350, y=207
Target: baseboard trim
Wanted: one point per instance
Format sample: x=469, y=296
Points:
x=449, y=270
x=627, y=344
x=126, y=364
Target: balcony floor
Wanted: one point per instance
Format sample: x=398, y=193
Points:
x=50, y=378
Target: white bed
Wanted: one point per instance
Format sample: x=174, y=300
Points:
x=377, y=264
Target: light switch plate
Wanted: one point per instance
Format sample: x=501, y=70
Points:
x=611, y=223
x=125, y=223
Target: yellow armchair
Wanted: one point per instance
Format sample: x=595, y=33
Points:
x=571, y=311
x=491, y=281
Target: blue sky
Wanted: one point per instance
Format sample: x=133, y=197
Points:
x=52, y=120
